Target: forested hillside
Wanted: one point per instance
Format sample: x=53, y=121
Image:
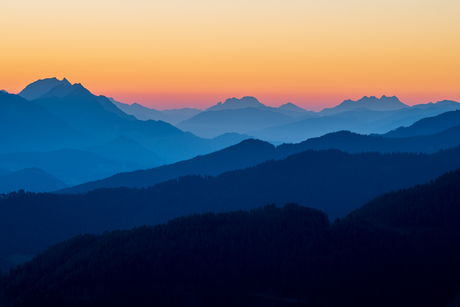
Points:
x=401, y=249
x=332, y=181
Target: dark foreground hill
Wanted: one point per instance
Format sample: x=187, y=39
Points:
x=401, y=249
x=30, y=179
x=332, y=181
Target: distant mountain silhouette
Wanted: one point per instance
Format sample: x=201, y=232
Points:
x=30, y=179
x=99, y=117
x=383, y=103
x=69, y=165
x=125, y=149
x=61, y=90
x=442, y=103
x=360, y=116
x=291, y=107
x=212, y=123
x=75, y=98
x=407, y=116
x=428, y=125
x=368, y=115
x=245, y=116
x=3, y=91
x=248, y=116
x=25, y=126
x=360, y=120
x=288, y=109
x=41, y=87
x=143, y=113
x=235, y=103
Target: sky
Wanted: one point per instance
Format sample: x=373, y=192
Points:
x=173, y=54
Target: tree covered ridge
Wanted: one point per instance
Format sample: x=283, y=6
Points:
x=170, y=263
x=433, y=204
x=401, y=249
x=331, y=181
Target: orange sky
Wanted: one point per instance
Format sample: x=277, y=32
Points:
x=195, y=53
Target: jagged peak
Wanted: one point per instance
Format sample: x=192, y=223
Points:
x=237, y=103
x=42, y=86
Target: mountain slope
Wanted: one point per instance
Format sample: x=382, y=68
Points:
x=428, y=125
x=143, y=113
x=30, y=179
x=355, y=143
x=359, y=120
x=125, y=149
x=245, y=154
x=292, y=107
x=408, y=116
x=240, y=116
x=77, y=100
x=72, y=166
x=98, y=116
x=25, y=126
x=241, y=155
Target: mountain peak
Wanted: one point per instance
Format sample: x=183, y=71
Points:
x=235, y=103
x=42, y=86
x=291, y=107
x=384, y=103
x=446, y=102
x=63, y=89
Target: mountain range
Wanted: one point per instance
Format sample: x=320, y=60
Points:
x=73, y=164
x=291, y=124
x=372, y=103
x=61, y=115
x=358, y=120
x=423, y=138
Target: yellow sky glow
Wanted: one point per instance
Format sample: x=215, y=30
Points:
x=169, y=54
